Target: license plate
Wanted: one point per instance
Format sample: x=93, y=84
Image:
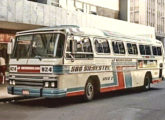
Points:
x=25, y=92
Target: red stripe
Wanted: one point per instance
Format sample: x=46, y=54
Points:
x=156, y=81
x=75, y=93
x=120, y=77
x=28, y=68
x=120, y=82
x=110, y=89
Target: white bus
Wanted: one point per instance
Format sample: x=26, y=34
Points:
x=64, y=61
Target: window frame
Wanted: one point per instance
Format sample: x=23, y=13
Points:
x=102, y=53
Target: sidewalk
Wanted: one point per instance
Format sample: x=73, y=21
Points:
x=3, y=93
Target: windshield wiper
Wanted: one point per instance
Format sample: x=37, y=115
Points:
x=38, y=57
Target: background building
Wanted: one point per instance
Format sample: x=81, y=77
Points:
x=107, y=8
x=146, y=12
x=18, y=15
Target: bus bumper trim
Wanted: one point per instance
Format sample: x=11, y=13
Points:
x=37, y=92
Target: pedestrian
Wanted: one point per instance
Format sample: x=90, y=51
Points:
x=2, y=68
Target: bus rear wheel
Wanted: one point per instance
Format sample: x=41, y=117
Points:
x=147, y=82
x=89, y=91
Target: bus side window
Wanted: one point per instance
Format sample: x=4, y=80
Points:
x=80, y=46
x=121, y=48
x=69, y=45
x=134, y=47
x=142, y=49
x=148, y=50
x=102, y=46
x=87, y=45
x=145, y=49
x=118, y=47
x=154, y=50
x=130, y=50
x=99, y=48
x=83, y=46
x=159, y=51
x=106, y=46
x=115, y=47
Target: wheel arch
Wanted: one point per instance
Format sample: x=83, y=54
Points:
x=148, y=73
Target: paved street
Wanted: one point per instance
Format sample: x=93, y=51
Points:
x=120, y=105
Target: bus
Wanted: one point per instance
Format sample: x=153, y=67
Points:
x=69, y=60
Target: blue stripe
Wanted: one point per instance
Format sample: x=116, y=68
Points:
x=60, y=69
x=128, y=79
x=32, y=91
x=36, y=92
x=75, y=89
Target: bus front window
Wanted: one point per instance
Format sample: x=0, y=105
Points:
x=22, y=46
x=48, y=45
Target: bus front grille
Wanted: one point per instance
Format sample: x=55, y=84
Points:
x=31, y=80
x=29, y=83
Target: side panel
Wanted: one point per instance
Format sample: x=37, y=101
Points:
x=121, y=75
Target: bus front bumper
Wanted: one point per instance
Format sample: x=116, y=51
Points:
x=37, y=92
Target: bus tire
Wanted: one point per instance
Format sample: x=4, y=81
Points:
x=89, y=91
x=147, y=82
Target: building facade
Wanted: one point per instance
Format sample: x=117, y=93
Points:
x=92, y=7
x=18, y=15
x=146, y=12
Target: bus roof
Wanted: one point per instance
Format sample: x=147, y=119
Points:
x=74, y=29
x=51, y=28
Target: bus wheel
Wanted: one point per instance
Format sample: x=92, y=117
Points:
x=89, y=91
x=147, y=82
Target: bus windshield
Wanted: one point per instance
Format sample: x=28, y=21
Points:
x=45, y=45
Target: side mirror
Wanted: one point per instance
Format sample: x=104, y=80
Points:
x=9, y=48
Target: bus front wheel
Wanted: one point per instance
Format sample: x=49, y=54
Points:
x=89, y=91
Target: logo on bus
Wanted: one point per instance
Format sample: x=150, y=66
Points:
x=91, y=68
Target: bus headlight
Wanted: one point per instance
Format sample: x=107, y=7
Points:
x=46, y=84
x=12, y=82
x=52, y=84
